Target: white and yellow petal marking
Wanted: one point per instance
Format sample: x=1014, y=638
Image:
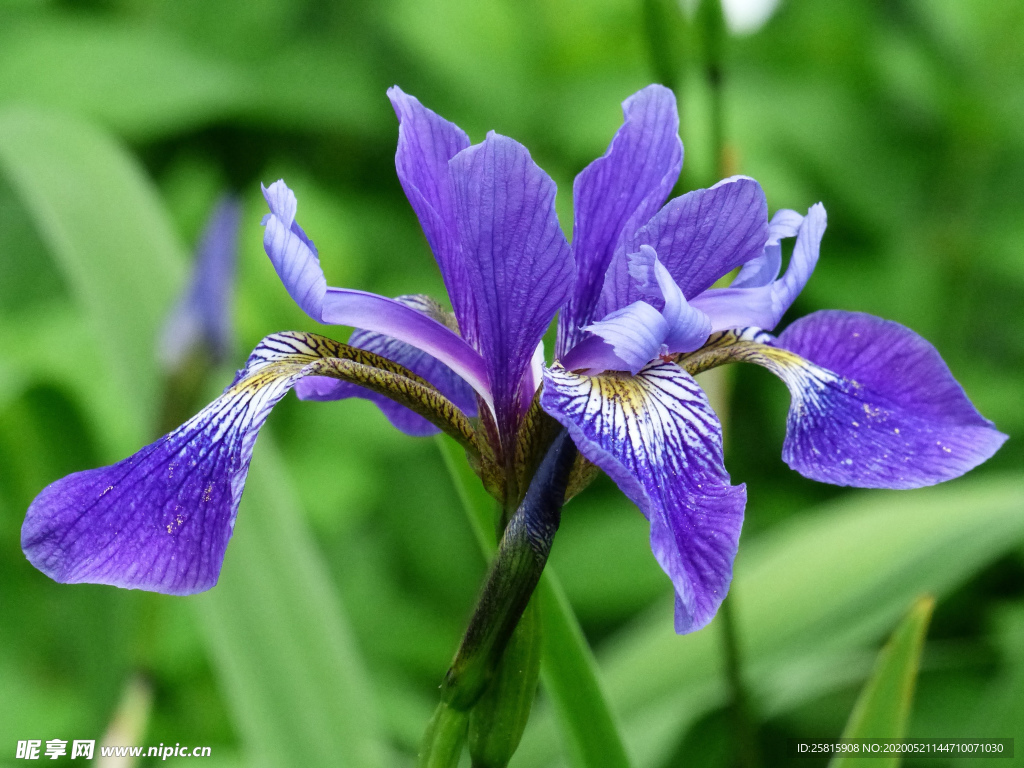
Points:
x=658, y=439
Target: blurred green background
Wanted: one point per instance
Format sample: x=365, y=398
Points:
x=353, y=569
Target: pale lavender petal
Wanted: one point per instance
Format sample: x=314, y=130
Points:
x=426, y=142
x=519, y=265
x=616, y=194
x=766, y=267
x=737, y=307
x=160, y=520
x=657, y=437
x=635, y=333
x=699, y=237
x=874, y=405
x=763, y=306
x=802, y=262
x=687, y=328
x=202, y=318
x=452, y=386
x=296, y=261
x=292, y=253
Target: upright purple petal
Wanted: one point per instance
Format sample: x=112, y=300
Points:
x=519, y=265
x=657, y=437
x=452, y=386
x=616, y=194
x=203, y=315
x=699, y=237
x=426, y=142
x=161, y=519
x=874, y=405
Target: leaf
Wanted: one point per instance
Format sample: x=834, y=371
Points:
x=287, y=658
x=1000, y=713
x=274, y=625
x=568, y=670
x=136, y=80
x=822, y=587
x=883, y=708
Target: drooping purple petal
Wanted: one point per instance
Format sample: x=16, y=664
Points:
x=657, y=437
x=699, y=237
x=745, y=303
x=616, y=194
x=426, y=142
x=203, y=315
x=161, y=519
x=453, y=387
x=295, y=259
x=874, y=405
x=519, y=265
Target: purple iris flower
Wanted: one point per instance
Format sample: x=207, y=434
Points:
x=161, y=519
x=873, y=404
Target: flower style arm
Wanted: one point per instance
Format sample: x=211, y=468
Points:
x=758, y=297
x=873, y=404
x=161, y=519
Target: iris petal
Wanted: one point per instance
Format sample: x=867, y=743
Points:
x=519, y=265
x=426, y=142
x=657, y=437
x=203, y=315
x=295, y=258
x=699, y=237
x=161, y=519
x=875, y=406
x=616, y=194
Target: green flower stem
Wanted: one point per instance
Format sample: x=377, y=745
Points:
x=499, y=718
x=444, y=738
x=521, y=557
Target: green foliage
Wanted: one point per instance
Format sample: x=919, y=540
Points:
x=883, y=709
x=354, y=567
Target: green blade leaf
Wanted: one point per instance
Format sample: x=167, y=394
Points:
x=291, y=672
x=298, y=690
x=569, y=672
x=883, y=708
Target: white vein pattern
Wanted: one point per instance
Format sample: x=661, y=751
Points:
x=656, y=435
